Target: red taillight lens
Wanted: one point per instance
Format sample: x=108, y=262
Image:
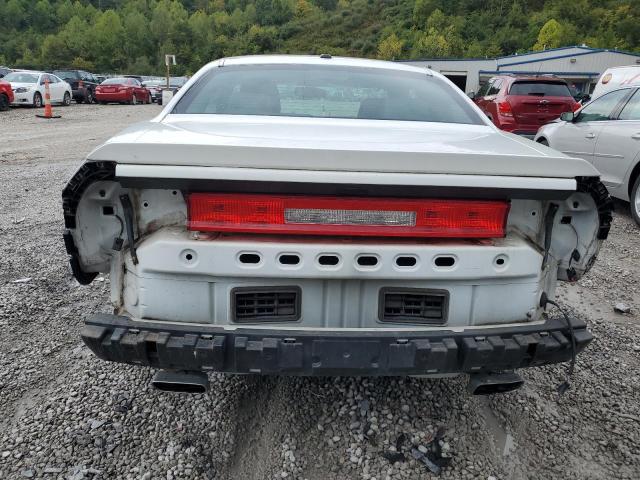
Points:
x=504, y=109
x=385, y=217
x=577, y=106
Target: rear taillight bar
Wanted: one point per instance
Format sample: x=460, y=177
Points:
x=380, y=217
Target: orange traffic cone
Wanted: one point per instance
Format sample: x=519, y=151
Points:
x=48, y=111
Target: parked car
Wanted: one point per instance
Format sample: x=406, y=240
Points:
x=521, y=105
x=374, y=230
x=29, y=88
x=154, y=87
x=83, y=84
x=4, y=71
x=606, y=133
x=122, y=90
x=175, y=84
x=616, y=77
x=6, y=96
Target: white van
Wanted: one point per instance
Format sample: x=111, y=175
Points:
x=616, y=77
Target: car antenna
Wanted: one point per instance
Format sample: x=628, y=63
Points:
x=538, y=72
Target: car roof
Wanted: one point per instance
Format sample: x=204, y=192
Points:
x=319, y=60
x=531, y=78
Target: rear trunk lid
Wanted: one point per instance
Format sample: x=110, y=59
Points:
x=311, y=144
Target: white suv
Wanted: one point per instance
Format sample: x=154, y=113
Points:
x=331, y=216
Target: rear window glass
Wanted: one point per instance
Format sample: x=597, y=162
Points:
x=177, y=81
x=117, y=81
x=326, y=92
x=66, y=74
x=21, y=77
x=540, y=89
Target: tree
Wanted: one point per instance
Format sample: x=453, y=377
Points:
x=82, y=64
x=390, y=48
x=107, y=41
x=273, y=12
x=43, y=17
x=422, y=9
x=432, y=44
x=552, y=35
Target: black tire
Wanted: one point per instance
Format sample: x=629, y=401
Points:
x=103, y=103
x=634, y=201
x=543, y=141
x=37, y=100
x=88, y=98
x=66, y=99
x=4, y=103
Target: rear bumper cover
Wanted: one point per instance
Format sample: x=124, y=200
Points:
x=277, y=351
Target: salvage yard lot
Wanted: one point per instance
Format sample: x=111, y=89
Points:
x=65, y=414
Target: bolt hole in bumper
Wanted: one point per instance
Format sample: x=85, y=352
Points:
x=316, y=352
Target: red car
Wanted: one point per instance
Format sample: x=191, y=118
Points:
x=523, y=104
x=122, y=90
x=6, y=95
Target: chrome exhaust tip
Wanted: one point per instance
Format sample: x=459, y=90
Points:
x=490, y=383
x=181, y=382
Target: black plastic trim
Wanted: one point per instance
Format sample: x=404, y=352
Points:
x=308, y=352
x=594, y=187
x=444, y=294
x=84, y=278
x=87, y=174
x=297, y=291
x=345, y=190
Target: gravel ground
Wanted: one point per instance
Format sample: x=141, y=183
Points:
x=64, y=414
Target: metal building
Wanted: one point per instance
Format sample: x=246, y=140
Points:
x=580, y=66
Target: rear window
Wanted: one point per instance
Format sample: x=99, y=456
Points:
x=21, y=77
x=326, y=92
x=177, y=81
x=540, y=89
x=116, y=81
x=66, y=74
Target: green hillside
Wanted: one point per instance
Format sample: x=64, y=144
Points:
x=133, y=35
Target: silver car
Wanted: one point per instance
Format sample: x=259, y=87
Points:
x=605, y=132
x=331, y=216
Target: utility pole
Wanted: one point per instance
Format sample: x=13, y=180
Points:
x=168, y=61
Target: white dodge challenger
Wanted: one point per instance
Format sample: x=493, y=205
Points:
x=331, y=216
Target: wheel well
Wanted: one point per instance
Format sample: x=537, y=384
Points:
x=633, y=177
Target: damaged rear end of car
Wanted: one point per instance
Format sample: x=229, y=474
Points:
x=317, y=246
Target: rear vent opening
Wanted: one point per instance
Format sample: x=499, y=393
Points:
x=414, y=305
x=444, y=261
x=406, y=261
x=367, y=260
x=328, y=260
x=265, y=304
x=249, y=258
x=289, y=259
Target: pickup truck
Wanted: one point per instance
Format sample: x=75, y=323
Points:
x=330, y=216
